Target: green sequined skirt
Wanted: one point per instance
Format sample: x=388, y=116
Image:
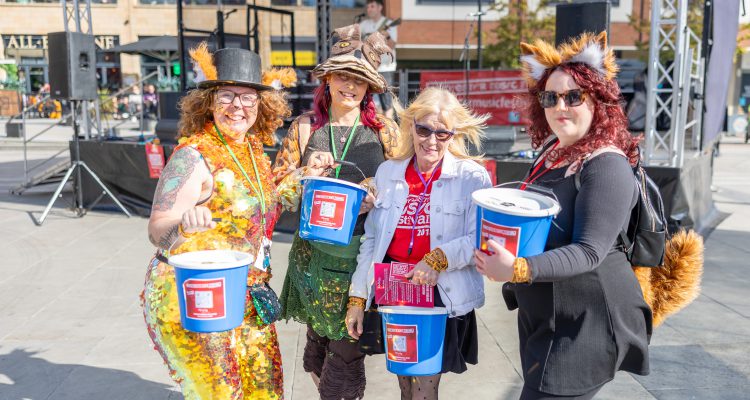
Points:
x=316, y=287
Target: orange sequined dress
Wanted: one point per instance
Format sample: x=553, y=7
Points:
x=243, y=363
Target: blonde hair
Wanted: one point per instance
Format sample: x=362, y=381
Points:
x=467, y=125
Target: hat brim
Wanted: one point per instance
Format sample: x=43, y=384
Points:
x=354, y=67
x=214, y=83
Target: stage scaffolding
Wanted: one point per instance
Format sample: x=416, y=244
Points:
x=675, y=85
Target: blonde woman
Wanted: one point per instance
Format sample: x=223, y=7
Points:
x=425, y=193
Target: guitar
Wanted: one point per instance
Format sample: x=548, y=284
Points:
x=384, y=28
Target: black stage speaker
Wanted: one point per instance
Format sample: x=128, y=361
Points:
x=573, y=19
x=72, y=65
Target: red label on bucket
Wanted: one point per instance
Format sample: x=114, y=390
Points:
x=204, y=298
x=328, y=209
x=506, y=236
x=402, y=342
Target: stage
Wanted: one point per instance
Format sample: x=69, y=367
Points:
x=122, y=166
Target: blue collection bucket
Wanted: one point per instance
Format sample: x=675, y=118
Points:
x=329, y=210
x=211, y=287
x=413, y=339
x=517, y=219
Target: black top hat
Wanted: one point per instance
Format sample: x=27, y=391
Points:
x=236, y=67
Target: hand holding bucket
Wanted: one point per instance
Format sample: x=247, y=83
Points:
x=518, y=220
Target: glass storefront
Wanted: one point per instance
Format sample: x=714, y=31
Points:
x=30, y=53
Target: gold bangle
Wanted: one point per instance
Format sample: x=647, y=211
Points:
x=182, y=231
x=436, y=260
x=521, y=271
x=356, y=302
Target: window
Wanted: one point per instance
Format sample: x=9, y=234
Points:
x=311, y=3
x=192, y=2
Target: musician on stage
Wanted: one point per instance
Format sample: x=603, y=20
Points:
x=376, y=21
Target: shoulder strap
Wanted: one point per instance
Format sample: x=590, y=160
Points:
x=624, y=240
x=544, y=149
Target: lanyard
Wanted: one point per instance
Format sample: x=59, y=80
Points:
x=348, y=140
x=258, y=190
x=533, y=176
x=422, y=197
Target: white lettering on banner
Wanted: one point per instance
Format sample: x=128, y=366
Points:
x=32, y=42
x=478, y=87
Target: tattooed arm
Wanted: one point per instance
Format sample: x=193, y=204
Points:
x=178, y=191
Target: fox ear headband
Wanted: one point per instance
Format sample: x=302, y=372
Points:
x=587, y=49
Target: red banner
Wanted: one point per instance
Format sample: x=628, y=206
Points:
x=498, y=93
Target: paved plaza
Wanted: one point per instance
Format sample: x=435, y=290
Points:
x=71, y=325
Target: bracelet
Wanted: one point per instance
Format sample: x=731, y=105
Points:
x=436, y=260
x=356, y=302
x=182, y=231
x=521, y=271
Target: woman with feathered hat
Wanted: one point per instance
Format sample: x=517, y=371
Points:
x=217, y=192
x=342, y=125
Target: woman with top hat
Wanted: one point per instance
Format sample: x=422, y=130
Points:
x=217, y=192
x=424, y=216
x=581, y=313
x=342, y=125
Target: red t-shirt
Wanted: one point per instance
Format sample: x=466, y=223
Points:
x=399, y=248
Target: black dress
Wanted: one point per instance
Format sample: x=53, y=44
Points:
x=583, y=317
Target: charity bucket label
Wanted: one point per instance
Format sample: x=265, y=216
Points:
x=205, y=298
x=328, y=209
x=402, y=342
x=506, y=236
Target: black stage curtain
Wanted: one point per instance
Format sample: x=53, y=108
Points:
x=121, y=165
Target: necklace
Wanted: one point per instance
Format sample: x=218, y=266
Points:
x=348, y=140
x=266, y=245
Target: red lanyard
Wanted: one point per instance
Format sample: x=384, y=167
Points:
x=533, y=176
x=422, y=197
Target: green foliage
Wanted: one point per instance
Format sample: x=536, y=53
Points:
x=521, y=23
x=11, y=82
x=643, y=27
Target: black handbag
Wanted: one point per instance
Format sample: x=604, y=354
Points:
x=371, y=339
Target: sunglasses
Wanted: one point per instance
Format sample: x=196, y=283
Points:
x=228, y=96
x=425, y=132
x=571, y=98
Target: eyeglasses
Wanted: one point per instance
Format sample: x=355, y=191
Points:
x=425, y=132
x=228, y=96
x=571, y=98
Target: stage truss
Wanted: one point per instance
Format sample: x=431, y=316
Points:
x=675, y=84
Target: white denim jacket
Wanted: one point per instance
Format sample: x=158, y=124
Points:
x=452, y=227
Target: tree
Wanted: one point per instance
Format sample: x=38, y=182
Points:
x=643, y=27
x=521, y=23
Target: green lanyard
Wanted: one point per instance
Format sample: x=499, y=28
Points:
x=348, y=140
x=259, y=189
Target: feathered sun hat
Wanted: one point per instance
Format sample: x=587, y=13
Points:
x=356, y=57
x=589, y=49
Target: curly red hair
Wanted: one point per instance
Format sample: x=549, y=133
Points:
x=609, y=125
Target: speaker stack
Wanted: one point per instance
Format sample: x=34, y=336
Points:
x=72, y=66
x=576, y=18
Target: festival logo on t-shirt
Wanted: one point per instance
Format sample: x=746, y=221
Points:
x=406, y=221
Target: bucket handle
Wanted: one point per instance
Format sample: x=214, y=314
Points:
x=539, y=189
x=169, y=250
x=350, y=164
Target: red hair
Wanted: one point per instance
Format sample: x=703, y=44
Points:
x=609, y=125
x=322, y=101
